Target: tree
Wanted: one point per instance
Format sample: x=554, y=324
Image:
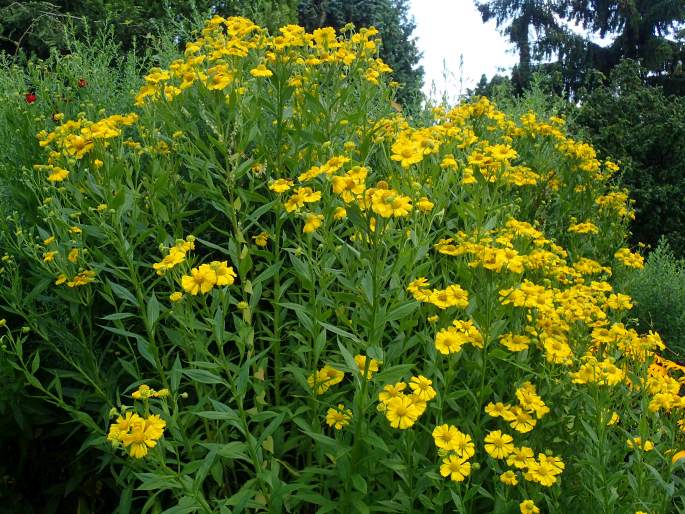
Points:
x=391, y=18
x=643, y=30
x=516, y=19
x=644, y=129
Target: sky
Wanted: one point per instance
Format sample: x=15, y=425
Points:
x=449, y=30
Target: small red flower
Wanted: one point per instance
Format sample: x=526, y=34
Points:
x=82, y=83
x=30, y=97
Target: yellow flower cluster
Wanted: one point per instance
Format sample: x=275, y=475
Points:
x=76, y=138
x=145, y=392
x=403, y=410
x=207, y=276
x=175, y=256
x=214, y=59
x=524, y=416
x=456, y=448
x=630, y=259
x=452, y=296
x=371, y=367
x=451, y=339
x=137, y=434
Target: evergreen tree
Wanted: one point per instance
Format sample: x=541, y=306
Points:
x=516, y=19
x=391, y=18
x=644, y=30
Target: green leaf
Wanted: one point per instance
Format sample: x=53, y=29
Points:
x=203, y=376
x=123, y=293
x=35, y=364
x=152, y=310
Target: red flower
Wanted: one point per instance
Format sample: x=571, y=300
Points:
x=30, y=97
x=82, y=83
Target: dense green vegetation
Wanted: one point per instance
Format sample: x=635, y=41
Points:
x=315, y=290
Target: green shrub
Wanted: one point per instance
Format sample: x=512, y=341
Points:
x=643, y=129
x=659, y=294
x=263, y=289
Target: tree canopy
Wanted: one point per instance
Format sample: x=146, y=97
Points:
x=576, y=36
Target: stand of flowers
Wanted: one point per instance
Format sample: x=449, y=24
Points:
x=266, y=290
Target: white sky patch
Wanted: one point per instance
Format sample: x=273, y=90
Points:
x=446, y=31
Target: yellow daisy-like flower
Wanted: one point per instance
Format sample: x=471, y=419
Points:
x=320, y=381
x=402, y=412
x=338, y=418
x=281, y=185
x=391, y=391
x=261, y=239
x=360, y=360
x=261, y=71
x=422, y=388
x=509, y=478
x=444, y=436
x=456, y=468
x=200, y=280
x=225, y=275
x=528, y=507
x=498, y=445
x=312, y=222
x=389, y=203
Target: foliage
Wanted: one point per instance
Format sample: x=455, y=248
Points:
x=543, y=35
x=262, y=289
x=391, y=18
x=36, y=26
x=659, y=293
x=644, y=130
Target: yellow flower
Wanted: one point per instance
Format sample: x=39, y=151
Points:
x=445, y=436
x=448, y=341
x=143, y=434
x=261, y=239
x=81, y=279
x=281, y=185
x=498, y=445
x=339, y=417
x=176, y=296
x=58, y=174
x=340, y=213
x=387, y=203
x=391, y=391
x=49, y=240
x=509, y=478
x=456, y=468
x=261, y=71
x=225, y=275
x=422, y=388
x=312, y=222
x=678, y=457
x=521, y=458
x=402, y=412
x=360, y=360
x=73, y=255
x=200, y=280
x=321, y=380
x=424, y=204
x=49, y=256
x=529, y=507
